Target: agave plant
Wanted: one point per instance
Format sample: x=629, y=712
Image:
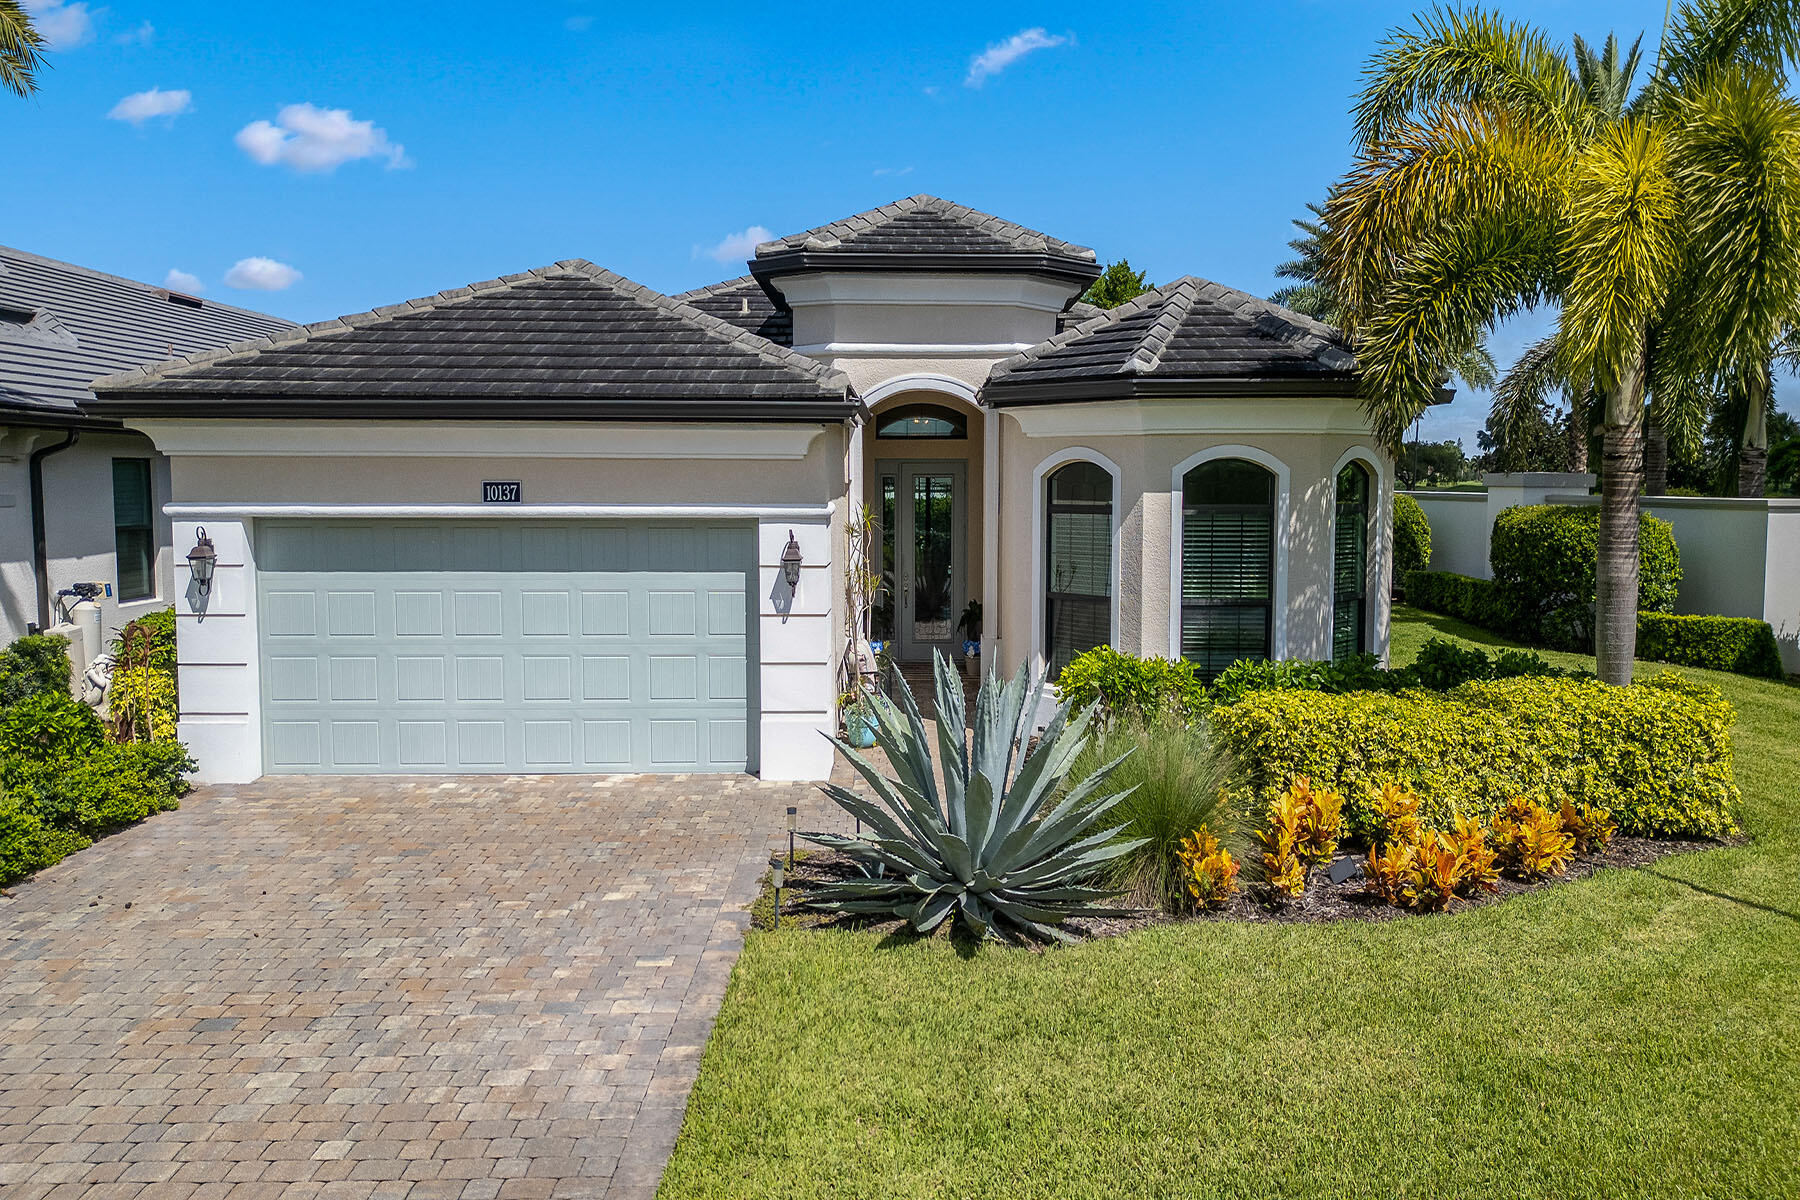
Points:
x=1002, y=846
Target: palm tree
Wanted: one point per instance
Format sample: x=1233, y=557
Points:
x=21, y=50
x=1493, y=175
x=1311, y=296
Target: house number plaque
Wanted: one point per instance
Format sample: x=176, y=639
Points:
x=501, y=493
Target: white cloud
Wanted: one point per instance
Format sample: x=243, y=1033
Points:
x=261, y=275
x=63, y=26
x=308, y=138
x=142, y=106
x=178, y=280
x=736, y=246
x=1001, y=55
x=894, y=171
x=143, y=35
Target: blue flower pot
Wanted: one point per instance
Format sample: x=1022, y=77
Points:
x=972, y=649
x=859, y=730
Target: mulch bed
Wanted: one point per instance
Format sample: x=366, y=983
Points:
x=1323, y=900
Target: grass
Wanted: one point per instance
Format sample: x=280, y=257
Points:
x=1634, y=1034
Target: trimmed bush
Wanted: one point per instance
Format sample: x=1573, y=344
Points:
x=34, y=665
x=1462, y=596
x=1441, y=665
x=1137, y=690
x=142, y=702
x=1543, y=558
x=1742, y=645
x=1412, y=536
x=1657, y=754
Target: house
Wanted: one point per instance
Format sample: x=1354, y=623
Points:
x=548, y=522
x=81, y=496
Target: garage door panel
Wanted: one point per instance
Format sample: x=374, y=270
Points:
x=579, y=647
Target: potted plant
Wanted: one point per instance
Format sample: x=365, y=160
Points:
x=859, y=718
x=970, y=626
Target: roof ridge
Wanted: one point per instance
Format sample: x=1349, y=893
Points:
x=1321, y=342
x=769, y=351
x=713, y=289
x=1106, y=317
x=1018, y=236
x=772, y=352
x=1180, y=294
x=157, y=288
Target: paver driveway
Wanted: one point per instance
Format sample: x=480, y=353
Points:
x=378, y=988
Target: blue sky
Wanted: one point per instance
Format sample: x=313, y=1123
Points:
x=360, y=154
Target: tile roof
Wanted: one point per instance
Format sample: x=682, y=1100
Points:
x=743, y=303
x=571, y=339
x=62, y=326
x=1188, y=331
x=925, y=225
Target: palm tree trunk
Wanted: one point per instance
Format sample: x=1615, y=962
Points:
x=1621, y=486
x=1753, y=452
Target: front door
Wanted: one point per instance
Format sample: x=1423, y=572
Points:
x=922, y=507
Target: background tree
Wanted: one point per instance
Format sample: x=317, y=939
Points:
x=1493, y=175
x=21, y=50
x=1117, y=284
x=1433, y=463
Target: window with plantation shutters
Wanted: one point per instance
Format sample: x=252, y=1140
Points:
x=134, y=534
x=1227, y=563
x=1078, y=517
x=1350, y=562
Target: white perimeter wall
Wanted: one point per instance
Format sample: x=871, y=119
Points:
x=1739, y=558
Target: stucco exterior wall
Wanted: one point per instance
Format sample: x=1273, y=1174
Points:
x=779, y=481
x=1145, y=518
x=79, y=533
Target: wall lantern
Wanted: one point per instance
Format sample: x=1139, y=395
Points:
x=201, y=560
x=790, y=561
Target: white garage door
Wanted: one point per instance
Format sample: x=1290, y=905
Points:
x=506, y=646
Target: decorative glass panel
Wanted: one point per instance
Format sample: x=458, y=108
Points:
x=1350, y=562
x=921, y=421
x=881, y=624
x=134, y=536
x=933, y=497
x=1227, y=563
x=1078, y=562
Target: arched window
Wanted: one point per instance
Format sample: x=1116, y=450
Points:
x=1078, y=517
x=1227, y=563
x=921, y=421
x=1350, y=562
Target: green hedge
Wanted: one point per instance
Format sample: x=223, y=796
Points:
x=62, y=782
x=1412, y=535
x=1543, y=558
x=1463, y=596
x=1657, y=754
x=1130, y=688
x=1742, y=645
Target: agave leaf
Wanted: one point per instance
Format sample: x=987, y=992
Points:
x=952, y=736
x=1076, y=812
x=956, y=855
x=931, y=911
x=916, y=748
x=878, y=818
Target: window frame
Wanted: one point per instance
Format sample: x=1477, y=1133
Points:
x=1278, y=606
x=958, y=422
x=147, y=528
x=1040, y=533
x=1371, y=485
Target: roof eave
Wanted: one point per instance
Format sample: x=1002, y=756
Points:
x=767, y=268
x=1004, y=394
x=135, y=404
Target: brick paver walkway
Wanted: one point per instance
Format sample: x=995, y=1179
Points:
x=472, y=988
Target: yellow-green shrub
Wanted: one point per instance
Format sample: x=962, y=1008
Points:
x=1656, y=754
x=1207, y=868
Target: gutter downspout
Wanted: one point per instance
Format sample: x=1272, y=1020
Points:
x=40, y=550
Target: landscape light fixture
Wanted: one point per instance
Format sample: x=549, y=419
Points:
x=777, y=879
x=202, y=559
x=793, y=824
x=790, y=561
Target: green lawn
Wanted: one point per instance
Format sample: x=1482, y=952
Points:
x=1632, y=1034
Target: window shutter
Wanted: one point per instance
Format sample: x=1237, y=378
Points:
x=1227, y=564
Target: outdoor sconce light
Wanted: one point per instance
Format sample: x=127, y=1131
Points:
x=790, y=561
x=777, y=879
x=793, y=824
x=202, y=559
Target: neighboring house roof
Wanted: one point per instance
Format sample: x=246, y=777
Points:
x=743, y=303
x=923, y=233
x=1078, y=312
x=61, y=326
x=1190, y=336
x=569, y=340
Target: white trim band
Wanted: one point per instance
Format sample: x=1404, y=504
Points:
x=744, y=512
x=912, y=349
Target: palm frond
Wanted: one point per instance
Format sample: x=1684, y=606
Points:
x=1622, y=249
x=21, y=50
x=1308, y=299
x=1472, y=58
x=1477, y=368
x=1708, y=35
